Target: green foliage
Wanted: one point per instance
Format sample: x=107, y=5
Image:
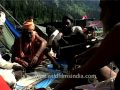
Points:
x=50, y=10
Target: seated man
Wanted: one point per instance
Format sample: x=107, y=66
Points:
x=30, y=48
x=68, y=41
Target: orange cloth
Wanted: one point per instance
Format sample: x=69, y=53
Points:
x=29, y=25
x=35, y=46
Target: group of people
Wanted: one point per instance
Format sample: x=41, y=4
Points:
x=29, y=49
x=98, y=57
x=67, y=41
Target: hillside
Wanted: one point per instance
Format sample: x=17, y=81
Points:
x=51, y=10
x=77, y=8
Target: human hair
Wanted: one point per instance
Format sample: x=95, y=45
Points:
x=68, y=16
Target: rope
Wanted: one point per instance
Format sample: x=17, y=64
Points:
x=10, y=15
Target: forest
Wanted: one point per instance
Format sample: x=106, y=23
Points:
x=45, y=11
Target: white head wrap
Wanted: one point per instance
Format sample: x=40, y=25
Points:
x=2, y=18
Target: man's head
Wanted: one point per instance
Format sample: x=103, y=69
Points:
x=109, y=13
x=67, y=21
x=28, y=28
x=29, y=25
x=90, y=32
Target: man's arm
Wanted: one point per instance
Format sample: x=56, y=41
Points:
x=17, y=54
x=15, y=49
x=86, y=55
x=42, y=47
x=8, y=65
x=108, y=51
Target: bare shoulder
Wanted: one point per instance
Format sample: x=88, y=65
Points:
x=117, y=26
x=77, y=28
x=115, y=30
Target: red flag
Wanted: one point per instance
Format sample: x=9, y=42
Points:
x=4, y=85
x=84, y=17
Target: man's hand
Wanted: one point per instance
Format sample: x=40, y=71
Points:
x=34, y=60
x=21, y=62
x=16, y=68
